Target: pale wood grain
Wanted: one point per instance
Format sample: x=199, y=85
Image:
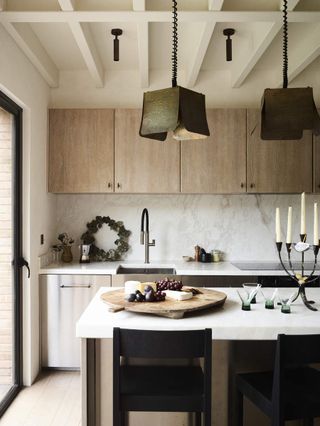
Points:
x=81, y=150
x=54, y=399
x=277, y=166
x=217, y=164
x=143, y=165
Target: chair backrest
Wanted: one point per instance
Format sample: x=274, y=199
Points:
x=292, y=350
x=162, y=344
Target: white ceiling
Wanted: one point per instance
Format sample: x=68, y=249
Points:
x=61, y=39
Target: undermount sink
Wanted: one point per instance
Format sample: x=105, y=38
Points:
x=145, y=270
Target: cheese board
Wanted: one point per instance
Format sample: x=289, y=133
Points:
x=169, y=308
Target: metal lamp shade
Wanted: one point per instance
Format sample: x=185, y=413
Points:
x=286, y=113
x=175, y=109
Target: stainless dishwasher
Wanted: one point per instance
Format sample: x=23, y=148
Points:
x=63, y=300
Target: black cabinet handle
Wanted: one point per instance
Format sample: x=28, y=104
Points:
x=252, y=185
x=242, y=185
x=109, y=185
x=118, y=185
x=22, y=262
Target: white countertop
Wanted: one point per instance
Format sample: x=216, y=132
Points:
x=228, y=322
x=182, y=268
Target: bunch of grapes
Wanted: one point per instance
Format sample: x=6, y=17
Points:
x=159, y=296
x=168, y=284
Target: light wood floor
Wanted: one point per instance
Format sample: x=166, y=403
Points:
x=54, y=399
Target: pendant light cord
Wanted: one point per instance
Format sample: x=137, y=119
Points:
x=174, y=57
x=285, y=44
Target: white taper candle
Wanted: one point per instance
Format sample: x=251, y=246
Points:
x=278, y=226
x=303, y=214
x=289, y=226
x=315, y=225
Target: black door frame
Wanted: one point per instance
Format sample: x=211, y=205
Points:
x=10, y=106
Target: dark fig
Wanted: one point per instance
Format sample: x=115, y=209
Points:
x=140, y=297
x=131, y=297
x=148, y=288
x=150, y=297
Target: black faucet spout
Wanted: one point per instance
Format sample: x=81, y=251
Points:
x=145, y=217
x=144, y=234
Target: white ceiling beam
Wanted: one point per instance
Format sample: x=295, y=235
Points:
x=202, y=45
x=302, y=55
x=33, y=49
x=83, y=37
x=260, y=49
x=242, y=73
x=3, y=5
x=291, y=4
x=67, y=5
x=143, y=44
x=84, y=40
x=143, y=52
x=215, y=4
x=157, y=16
x=139, y=5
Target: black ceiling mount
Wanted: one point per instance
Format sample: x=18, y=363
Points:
x=116, y=32
x=228, y=32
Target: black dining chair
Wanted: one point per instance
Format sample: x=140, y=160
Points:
x=292, y=390
x=161, y=388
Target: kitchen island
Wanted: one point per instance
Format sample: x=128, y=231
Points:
x=230, y=325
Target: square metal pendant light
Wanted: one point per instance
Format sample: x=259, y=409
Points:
x=176, y=108
x=286, y=113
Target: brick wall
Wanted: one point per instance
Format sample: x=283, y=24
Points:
x=5, y=249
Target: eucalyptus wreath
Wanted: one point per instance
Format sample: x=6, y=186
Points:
x=122, y=245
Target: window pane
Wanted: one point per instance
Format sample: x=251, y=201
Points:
x=6, y=255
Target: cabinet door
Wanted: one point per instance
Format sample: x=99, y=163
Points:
x=277, y=166
x=81, y=150
x=144, y=165
x=217, y=164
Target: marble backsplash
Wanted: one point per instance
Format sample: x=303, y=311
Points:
x=242, y=226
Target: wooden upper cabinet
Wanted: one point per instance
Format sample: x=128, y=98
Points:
x=217, y=164
x=81, y=150
x=143, y=165
x=277, y=166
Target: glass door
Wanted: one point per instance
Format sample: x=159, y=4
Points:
x=11, y=259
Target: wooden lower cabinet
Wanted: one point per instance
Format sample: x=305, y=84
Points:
x=277, y=166
x=81, y=148
x=217, y=164
x=143, y=165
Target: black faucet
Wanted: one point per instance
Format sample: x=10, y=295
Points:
x=144, y=234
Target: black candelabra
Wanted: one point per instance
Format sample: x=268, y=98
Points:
x=300, y=278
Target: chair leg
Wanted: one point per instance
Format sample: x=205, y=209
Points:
x=198, y=418
x=116, y=418
x=123, y=415
x=308, y=421
x=277, y=422
x=239, y=409
x=207, y=417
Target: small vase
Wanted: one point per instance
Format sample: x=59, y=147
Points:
x=66, y=254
